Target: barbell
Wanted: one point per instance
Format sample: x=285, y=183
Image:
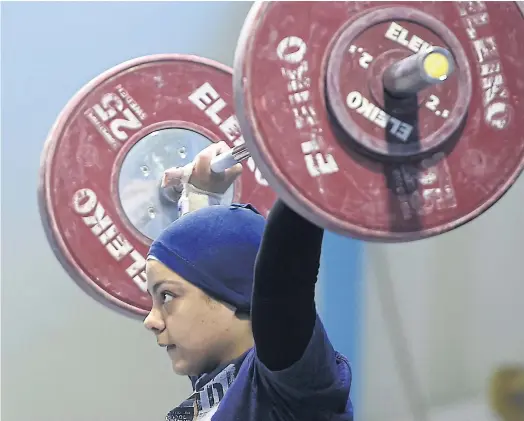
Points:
x=383, y=121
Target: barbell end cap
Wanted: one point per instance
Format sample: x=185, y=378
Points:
x=418, y=71
x=438, y=64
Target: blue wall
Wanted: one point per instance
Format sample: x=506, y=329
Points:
x=341, y=278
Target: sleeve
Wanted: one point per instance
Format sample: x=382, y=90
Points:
x=319, y=381
x=283, y=304
x=295, y=358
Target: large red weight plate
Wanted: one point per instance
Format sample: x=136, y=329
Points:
x=280, y=78
x=104, y=158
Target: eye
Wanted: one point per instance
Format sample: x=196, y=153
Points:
x=166, y=297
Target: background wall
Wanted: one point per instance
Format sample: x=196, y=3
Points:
x=64, y=356
x=461, y=303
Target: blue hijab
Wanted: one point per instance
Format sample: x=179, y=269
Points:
x=215, y=249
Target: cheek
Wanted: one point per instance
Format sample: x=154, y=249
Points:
x=184, y=320
x=175, y=321
x=195, y=327
x=214, y=327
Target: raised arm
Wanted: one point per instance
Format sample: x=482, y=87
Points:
x=283, y=305
x=297, y=365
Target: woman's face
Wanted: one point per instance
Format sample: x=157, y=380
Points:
x=197, y=331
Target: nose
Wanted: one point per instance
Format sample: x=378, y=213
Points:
x=154, y=321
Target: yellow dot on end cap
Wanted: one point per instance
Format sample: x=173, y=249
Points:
x=436, y=65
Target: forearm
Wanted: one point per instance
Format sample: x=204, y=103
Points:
x=283, y=305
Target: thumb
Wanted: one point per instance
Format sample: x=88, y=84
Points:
x=172, y=177
x=205, y=156
x=233, y=172
x=221, y=147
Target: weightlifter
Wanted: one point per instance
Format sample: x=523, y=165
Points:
x=234, y=306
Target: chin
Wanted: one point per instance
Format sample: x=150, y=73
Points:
x=182, y=368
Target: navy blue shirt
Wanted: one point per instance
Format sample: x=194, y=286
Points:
x=293, y=372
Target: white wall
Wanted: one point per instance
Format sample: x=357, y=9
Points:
x=461, y=303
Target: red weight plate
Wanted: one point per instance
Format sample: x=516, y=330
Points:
x=99, y=189
x=280, y=91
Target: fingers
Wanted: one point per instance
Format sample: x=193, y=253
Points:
x=199, y=171
x=204, y=157
x=172, y=177
x=222, y=147
x=233, y=172
x=215, y=149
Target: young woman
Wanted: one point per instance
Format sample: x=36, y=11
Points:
x=234, y=306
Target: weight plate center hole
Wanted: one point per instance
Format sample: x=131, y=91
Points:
x=149, y=207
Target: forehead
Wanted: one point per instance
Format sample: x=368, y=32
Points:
x=159, y=274
x=156, y=272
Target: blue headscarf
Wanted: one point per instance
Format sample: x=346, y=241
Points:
x=215, y=249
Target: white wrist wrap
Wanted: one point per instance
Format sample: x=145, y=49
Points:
x=193, y=198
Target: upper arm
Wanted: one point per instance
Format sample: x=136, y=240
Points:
x=283, y=306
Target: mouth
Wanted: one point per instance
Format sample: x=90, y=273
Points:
x=170, y=347
x=167, y=346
